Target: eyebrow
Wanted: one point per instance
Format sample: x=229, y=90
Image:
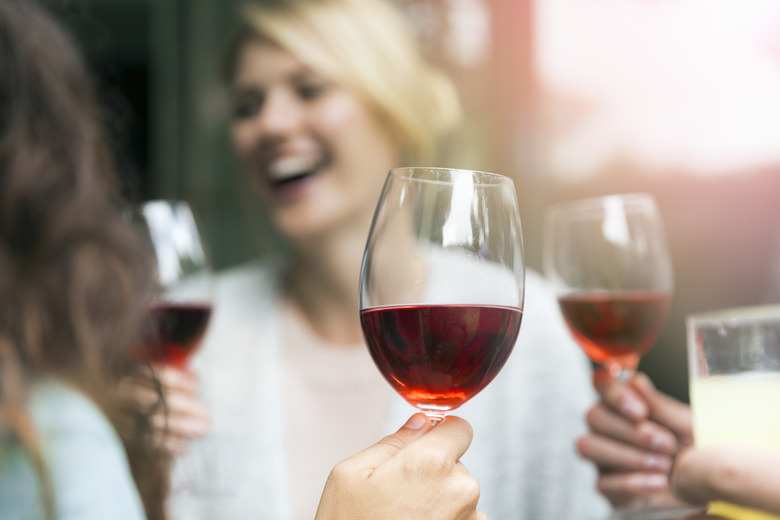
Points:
x=300, y=74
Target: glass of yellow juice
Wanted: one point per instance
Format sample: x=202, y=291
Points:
x=734, y=365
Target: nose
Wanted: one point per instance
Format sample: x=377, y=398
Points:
x=280, y=114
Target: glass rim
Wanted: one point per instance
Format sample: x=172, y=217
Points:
x=746, y=314
x=404, y=172
x=590, y=203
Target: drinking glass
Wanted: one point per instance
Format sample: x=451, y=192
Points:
x=609, y=263
x=442, y=284
x=180, y=311
x=734, y=366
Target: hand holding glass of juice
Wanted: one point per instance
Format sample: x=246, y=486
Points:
x=734, y=365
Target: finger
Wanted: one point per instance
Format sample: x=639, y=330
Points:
x=625, y=488
x=179, y=403
x=646, y=434
x=184, y=416
x=374, y=456
x=744, y=475
x=174, y=446
x=474, y=515
x=665, y=409
x=610, y=454
x=172, y=378
x=182, y=427
x=451, y=437
x=619, y=396
x=143, y=395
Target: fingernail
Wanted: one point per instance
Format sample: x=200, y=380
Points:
x=656, y=462
x=650, y=482
x=662, y=442
x=416, y=421
x=643, y=380
x=631, y=407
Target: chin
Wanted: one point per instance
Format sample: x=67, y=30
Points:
x=301, y=228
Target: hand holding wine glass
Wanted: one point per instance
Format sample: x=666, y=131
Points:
x=178, y=318
x=181, y=310
x=609, y=263
x=442, y=284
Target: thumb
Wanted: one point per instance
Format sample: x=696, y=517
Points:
x=387, y=448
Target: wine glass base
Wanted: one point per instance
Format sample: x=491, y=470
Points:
x=435, y=417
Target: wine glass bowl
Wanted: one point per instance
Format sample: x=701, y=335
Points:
x=182, y=306
x=608, y=261
x=442, y=284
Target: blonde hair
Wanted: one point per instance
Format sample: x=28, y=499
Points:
x=367, y=47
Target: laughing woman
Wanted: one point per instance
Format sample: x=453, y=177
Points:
x=328, y=95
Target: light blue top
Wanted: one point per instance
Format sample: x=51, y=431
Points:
x=84, y=457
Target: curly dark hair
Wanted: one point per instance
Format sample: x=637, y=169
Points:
x=74, y=274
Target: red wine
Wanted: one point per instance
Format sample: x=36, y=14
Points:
x=440, y=356
x=615, y=327
x=175, y=331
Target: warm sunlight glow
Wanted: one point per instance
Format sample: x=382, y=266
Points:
x=688, y=85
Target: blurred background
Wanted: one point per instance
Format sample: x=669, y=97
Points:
x=679, y=98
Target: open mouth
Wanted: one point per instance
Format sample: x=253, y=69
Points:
x=289, y=171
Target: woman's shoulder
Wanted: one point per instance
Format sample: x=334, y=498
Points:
x=59, y=408
x=84, y=459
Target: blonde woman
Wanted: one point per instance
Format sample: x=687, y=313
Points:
x=328, y=95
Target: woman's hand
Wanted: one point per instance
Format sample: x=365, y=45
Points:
x=182, y=416
x=414, y=473
x=743, y=475
x=635, y=431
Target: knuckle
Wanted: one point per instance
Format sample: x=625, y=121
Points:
x=592, y=416
x=612, y=490
x=394, y=442
x=603, y=486
x=341, y=474
x=468, y=490
x=583, y=446
x=646, y=433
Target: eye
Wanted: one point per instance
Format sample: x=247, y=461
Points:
x=247, y=106
x=311, y=90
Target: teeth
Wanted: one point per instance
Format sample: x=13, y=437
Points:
x=287, y=167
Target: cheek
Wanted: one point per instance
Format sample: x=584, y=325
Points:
x=339, y=116
x=359, y=139
x=243, y=143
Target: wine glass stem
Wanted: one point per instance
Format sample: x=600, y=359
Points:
x=435, y=417
x=621, y=374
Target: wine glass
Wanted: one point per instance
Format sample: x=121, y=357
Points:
x=609, y=263
x=180, y=311
x=442, y=284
